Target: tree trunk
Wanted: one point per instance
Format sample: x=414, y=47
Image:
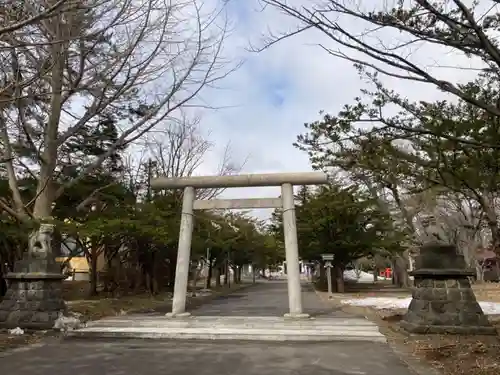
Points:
x=151, y=283
x=172, y=263
x=479, y=272
x=107, y=280
x=217, y=277
x=495, y=236
x=148, y=271
x=339, y=279
x=404, y=267
x=375, y=274
x=45, y=191
x=401, y=272
x=235, y=275
x=226, y=273
x=93, y=273
x=394, y=276
x=3, y=282
x=156, y=288
x=208, y=283
x=147, y=280
x=196, y=276
x=321, y=282
x=154, y=274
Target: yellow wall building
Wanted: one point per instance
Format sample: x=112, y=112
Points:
x=80, y=264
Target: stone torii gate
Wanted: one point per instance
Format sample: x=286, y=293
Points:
x=286, y=202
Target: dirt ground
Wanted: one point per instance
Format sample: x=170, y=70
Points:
x=484, y=292
x=487, y=292
x=446, y=354
x=100, y=307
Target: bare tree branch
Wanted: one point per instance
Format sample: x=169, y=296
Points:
x=180, y=150
x=463, y=28
x=132, y=64
x=32, y=17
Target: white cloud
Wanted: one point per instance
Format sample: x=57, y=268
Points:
x=300, y=76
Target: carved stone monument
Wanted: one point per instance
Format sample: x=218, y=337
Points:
x=34, y=296
x=443, y=300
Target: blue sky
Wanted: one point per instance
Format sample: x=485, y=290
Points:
x=276, y=91
x=270, y=97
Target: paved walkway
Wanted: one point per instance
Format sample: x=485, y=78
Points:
x=143, y=357
x=268, y=298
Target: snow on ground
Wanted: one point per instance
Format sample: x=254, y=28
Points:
x=392, y=303
x=359, y=276
x=362, y=277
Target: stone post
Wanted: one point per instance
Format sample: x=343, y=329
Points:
x=328, y=267
x=34, y=297
x=292, y=253
x=183, y=255
x=443, y=301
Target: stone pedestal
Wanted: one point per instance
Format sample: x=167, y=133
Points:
x=34, y=296
x=443, y=301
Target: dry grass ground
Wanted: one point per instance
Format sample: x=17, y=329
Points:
x=487, y=292
x=99, y=307
x=442, y=354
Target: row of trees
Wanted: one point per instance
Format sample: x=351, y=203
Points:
x=415, y=158
x=112, y=214
x=81, y=86
x=413, y=176
x=93, y=98
x=344, y=221
x=82, y=81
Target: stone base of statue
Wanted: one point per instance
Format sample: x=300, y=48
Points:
x=443, y=300
x=34, y=295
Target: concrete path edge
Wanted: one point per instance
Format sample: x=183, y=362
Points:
x=414, y=364
x=54, y=335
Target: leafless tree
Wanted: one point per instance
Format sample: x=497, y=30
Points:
x=20, y=15
x=180, y=149
x=459, y=221
x=132, y=63
x=383, y=37
x=388, y=195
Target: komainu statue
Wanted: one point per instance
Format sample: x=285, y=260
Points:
x=40, y=241
x=432, y=231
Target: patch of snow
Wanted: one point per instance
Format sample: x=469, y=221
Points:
x=393, y=303
x=16, y=331
x=490, y=308
x=359, y=276
x=200, y=293
x=380, y=303
x=69, y=323
x=204, y=292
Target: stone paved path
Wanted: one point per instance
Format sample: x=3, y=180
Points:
x=268, y=298
x=143, y=357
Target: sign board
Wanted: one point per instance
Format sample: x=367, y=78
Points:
x=327, y=256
